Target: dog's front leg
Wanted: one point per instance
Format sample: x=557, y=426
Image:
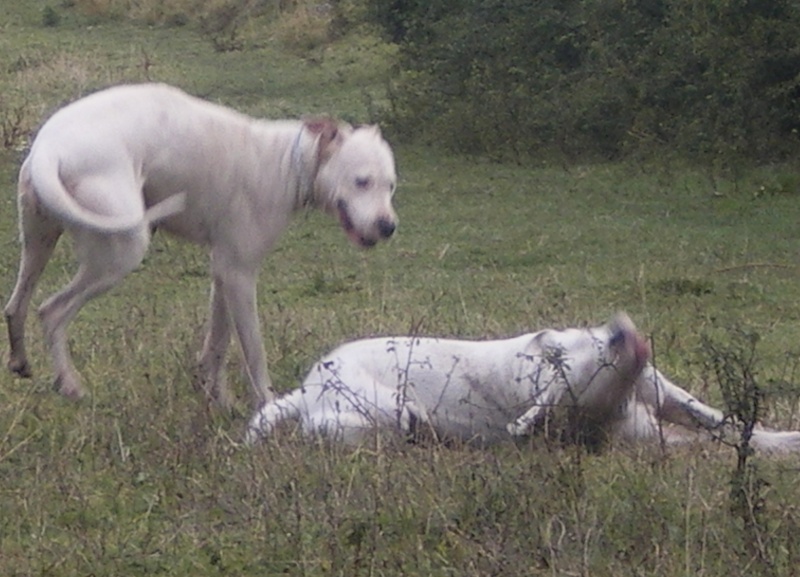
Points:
x=673, y=404
x=543, y=403
x=238, y=288
x=210, y=371
x=676, y=405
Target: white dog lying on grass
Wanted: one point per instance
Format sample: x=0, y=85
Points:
x=579, y=385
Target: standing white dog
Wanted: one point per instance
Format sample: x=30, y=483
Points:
x=581, y=385
x=109, y=166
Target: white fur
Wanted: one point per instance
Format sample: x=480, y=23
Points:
x=584, y=385
x=109, y=166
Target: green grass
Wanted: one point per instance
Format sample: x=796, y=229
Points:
x=143, y=478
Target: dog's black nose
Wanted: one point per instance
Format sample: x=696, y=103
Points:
x=386, y=227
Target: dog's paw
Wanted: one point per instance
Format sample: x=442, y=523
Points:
x=69, y=386
x=20, y=368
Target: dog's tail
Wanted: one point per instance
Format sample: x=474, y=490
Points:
x=166, y=208
x=272, y=414
x=54, y=196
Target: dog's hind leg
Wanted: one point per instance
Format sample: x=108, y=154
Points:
x=38, y=235
x=104, y=260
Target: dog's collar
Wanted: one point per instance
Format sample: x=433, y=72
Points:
x=304, y=195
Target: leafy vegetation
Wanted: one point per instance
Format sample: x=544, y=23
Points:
x=145, y=478
x=716, y=81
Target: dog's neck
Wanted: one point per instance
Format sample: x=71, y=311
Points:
x=305, y=164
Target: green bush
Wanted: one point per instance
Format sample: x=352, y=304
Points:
x=712, y=80
x=50, y=17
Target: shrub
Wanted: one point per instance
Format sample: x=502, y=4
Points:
x=50, y=17
x=714, y=80
x=304, y=28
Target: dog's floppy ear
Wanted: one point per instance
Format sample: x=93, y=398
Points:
x=330, y=135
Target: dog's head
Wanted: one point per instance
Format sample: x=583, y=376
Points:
x=599, y=369
x=355, y=179
x=601, y=365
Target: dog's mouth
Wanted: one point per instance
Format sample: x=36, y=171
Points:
x=349, y=227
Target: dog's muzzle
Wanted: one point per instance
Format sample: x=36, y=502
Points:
x=386, y=227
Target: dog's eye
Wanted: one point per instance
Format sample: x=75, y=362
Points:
x=363, y=183
x=617, y=339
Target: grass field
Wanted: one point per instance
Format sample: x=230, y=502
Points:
x=144, y=478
